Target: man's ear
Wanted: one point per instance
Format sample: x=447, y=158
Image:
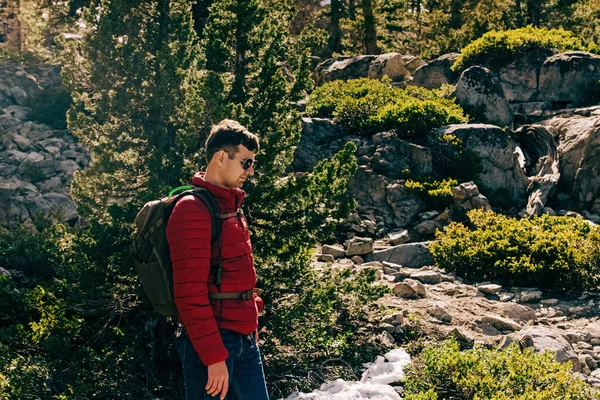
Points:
x=220, y=155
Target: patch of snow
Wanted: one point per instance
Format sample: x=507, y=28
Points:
x=374, y=384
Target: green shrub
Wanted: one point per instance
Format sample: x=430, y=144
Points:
x=491, y=374
x=497, y=49
x=330, y=320
x=437, y=194
x=367, y=106
x=550, y=252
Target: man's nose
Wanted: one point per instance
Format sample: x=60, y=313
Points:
x=250, y=171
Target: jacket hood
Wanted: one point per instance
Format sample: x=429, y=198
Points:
x=231, y=198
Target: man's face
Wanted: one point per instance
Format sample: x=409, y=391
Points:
x=234, y=174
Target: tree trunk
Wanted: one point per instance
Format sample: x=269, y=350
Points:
x=238, y=89
x=533, y=12
x=370, y=35
x=334, y=30
x=455, y=17
x=518, y=11
x=352, y=9
x=200, y=15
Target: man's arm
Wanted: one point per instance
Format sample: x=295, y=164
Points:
x=189, y=234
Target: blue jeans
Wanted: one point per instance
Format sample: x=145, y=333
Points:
x=246, y=375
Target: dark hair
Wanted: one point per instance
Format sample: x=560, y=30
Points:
x=228, y=135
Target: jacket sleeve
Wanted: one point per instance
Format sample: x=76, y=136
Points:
x=189, y=235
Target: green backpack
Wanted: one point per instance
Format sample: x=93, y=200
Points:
x=152, y=257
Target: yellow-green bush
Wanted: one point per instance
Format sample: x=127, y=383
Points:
x=496, y=49
x=490, y=374
x=551, y=252
x=367, y=106
x=437, y=194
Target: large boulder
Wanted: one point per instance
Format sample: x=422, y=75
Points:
x=544, y=339
x=519, y=79
x=569, y=77
x=406, y=204
x=541, y=163
x=479, y=92
x=394, y=155
x=343, y=68
x=320, y=139
x=437, y=72
x=579, y=147
x=411, y=255
x=391, y=65
x=501, y=171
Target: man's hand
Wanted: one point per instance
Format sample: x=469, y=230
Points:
x=256, y=336
x=218, y=379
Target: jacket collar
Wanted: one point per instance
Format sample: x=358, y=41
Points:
x=230, y=198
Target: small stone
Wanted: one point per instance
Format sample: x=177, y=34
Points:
x=390, y=265
x=490, y=288
x=549, y=302
x=502, y=324
x=429, y=277
x=335, y=251
x=387, y=327
x=506, y=297
x=529, y=296
x=409, y=289
x=400, y=237
x=595, y=341
x=359, y=246
x=441, y=314
x=325, y=258
x=357, y=260
x=462, y=336
x=357, y=228
x=584, y=346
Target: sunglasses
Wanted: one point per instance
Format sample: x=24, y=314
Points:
x=247, y=163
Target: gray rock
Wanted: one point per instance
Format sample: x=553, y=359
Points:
x=406, y=204
x=579, y=149
x=545, y=339
x=502, y=171
x=343, y=68
x=529, y=296
x=360, y=246
x=517, y=312
x=489, y=288
x=335, y=251
x=391, y=65
x=429, y=277
x=409, y=289
x=394, y=155
x=325, y=258
x=502, y=324
x=568, y=77
x=412, y=255
x=399, y=237
x=462, y=336
x=437, y=72
x=479, y=92
x=441, y=314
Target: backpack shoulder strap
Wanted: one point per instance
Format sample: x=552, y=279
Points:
x=208, y=199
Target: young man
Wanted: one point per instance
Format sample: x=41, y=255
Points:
x=217, y=345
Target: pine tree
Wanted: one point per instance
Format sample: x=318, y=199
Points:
x=131, y=80
x=287, y=213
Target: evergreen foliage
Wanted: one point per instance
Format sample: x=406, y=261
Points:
x=497, y=49
x=559, y=253
x=443, y=371
x=367, y=106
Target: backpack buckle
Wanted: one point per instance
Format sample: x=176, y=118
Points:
x=247, y=295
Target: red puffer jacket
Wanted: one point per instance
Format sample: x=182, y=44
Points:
x=189, y=235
